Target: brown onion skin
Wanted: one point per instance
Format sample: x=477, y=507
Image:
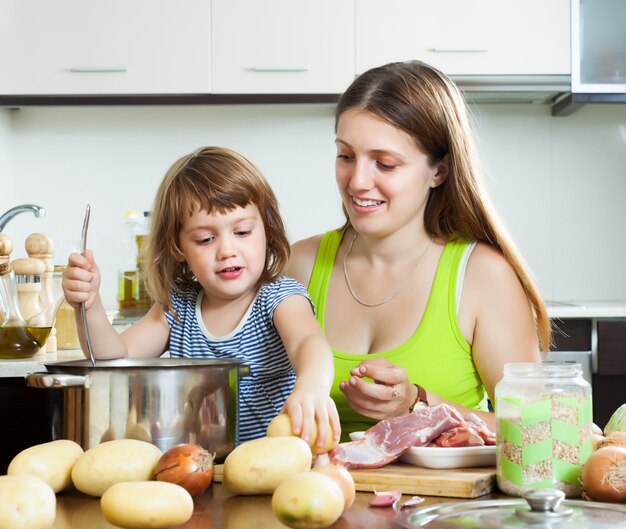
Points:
x=604, y=475
x=187, y=465
x=614, y=439
x=344, y=479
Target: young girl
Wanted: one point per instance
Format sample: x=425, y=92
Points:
x=215, y=254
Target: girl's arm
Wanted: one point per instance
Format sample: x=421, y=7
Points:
x=148, y=338
x=312, y=360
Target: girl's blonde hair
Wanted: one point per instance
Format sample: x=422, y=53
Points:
x=427, y=105
x=211, y=179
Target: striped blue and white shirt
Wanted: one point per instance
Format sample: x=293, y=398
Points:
x=255, y=341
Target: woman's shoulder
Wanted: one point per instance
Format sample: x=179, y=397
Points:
x=302, y=259
x=488, y=268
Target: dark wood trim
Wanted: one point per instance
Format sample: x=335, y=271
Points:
x=14, y=101
x=571, y=334
x=612, y=348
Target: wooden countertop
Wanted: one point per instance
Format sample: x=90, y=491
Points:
x=218, y=509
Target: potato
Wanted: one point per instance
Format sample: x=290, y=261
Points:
x=258, y=466
x=26, y=502
x=52, y=462
x=114, y=461
x=146, y=504
x=281, y=426
x=309, y=500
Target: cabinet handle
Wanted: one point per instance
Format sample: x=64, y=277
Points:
x=98, y=69
x=279, y=69
x=459, y=50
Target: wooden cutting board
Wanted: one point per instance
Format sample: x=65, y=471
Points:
x=409, y=479
x=453, y=483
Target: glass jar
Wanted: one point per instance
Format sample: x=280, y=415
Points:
x=544, y=420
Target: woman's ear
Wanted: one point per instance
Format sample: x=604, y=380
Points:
x=443, y=169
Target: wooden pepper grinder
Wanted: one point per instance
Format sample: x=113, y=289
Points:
x=28, y=275
x=6, y=247
x=41, y=246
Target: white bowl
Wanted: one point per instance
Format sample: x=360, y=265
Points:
x=448, y=457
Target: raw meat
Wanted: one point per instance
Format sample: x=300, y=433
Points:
x=483, y=430
x=390, y=438
x=466, y=435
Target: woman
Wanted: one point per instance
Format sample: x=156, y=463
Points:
x=421, y=293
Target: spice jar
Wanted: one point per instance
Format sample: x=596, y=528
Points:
x=544, y=419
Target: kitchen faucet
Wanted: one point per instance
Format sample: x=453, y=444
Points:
x=9, y=214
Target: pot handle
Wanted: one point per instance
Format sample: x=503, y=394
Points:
x=244, y=370
x=57, y=381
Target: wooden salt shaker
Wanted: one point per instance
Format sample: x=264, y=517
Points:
x=41, y=246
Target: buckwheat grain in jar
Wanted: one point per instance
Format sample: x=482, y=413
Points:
x=543, y=419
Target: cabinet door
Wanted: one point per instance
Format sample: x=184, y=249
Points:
x=96, y=47
x=466, y=37
x=282, y=46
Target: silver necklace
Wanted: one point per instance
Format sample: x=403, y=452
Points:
x=393, y=296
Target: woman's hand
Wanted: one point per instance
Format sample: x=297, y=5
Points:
x=390, y=395
x=308, y=407
x=81, y=280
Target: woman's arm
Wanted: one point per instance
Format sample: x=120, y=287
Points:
x=312, y=360
x=496, y=316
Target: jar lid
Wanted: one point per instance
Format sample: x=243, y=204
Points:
x=538, y=508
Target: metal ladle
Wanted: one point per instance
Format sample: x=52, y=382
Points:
x=83, y=310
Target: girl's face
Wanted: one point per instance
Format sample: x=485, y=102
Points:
x=225, y=252
x=383, y=178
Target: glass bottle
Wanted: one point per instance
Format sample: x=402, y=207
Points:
x=17, y=340
x=543, y=419
x=131, y=294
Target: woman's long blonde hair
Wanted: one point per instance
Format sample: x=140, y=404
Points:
x=427, y=105
x=209, y=179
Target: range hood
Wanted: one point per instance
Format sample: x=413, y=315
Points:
x=540, y=89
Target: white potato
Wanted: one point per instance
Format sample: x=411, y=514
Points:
x=26, y=502
x=258, y=466
x=114, y=461
x=52, y=462
x=146, y=504
x=309, y=500
x=281, y=426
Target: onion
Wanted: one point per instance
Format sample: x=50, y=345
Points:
x=187, y=465
x=604, y=475
x=614, y=439
x=344, y=479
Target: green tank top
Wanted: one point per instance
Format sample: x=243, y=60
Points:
x=437, y=356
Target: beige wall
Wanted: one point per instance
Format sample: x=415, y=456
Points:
x=560, y=183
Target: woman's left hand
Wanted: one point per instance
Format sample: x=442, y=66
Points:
x=390, y=395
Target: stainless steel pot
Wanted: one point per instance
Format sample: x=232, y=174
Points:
x=164, y=401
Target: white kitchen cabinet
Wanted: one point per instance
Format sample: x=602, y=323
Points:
x=104, y=47
x=282, y=46
x=466, y=37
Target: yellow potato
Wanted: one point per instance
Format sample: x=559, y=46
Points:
x=52, y=462
x=26, y=502
x=146, y=504
x=309, y=500
x=281, y=426
x=258, y=466
x=114, y=461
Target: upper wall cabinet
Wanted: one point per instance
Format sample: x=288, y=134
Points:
x=282, y=46
x=104, y=47
x=466, y=37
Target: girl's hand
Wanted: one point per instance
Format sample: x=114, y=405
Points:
x=81, y=280
x=390, y=395
x=308, y=408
